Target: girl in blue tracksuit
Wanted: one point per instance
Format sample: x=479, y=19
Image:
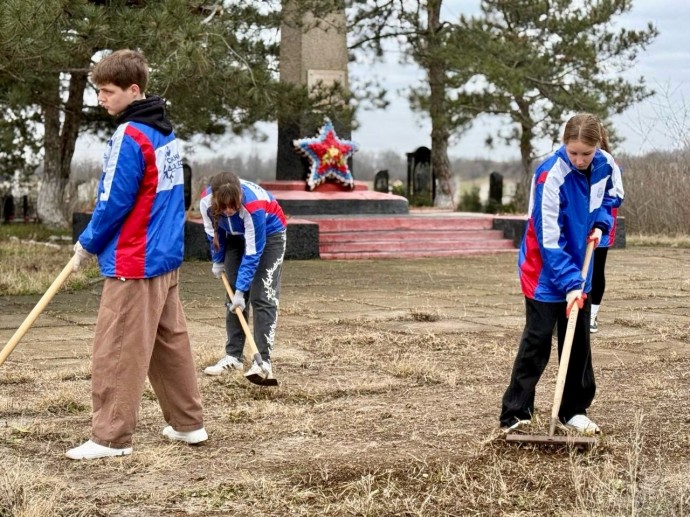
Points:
x=246, y=229
x=570, y=204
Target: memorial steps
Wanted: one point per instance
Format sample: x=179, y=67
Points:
x=330, y=223
x=417, y=235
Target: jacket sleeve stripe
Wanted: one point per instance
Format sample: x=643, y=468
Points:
x=112, y=156
x=550, y=207
x=249, y=230
x=204, y=206
x=131, y=245
x=274, y=209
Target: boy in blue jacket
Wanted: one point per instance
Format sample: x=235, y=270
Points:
x=246, y=229
x=570, y=205
x=137, y=232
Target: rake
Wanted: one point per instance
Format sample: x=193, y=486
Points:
x=36, y=311
x=255, y=378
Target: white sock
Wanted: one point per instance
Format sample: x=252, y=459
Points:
x=595, y=310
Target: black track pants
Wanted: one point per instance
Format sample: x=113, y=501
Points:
x=533, y=356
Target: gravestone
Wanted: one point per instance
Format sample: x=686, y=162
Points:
x=313, y=53
x=421, y=184
x=25, y=207
x=187, y=173
x=381, y=181
x=8, y=208
x=495, y=201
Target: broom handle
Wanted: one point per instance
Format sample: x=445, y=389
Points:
x=37, y=310
x=567, y=347
x=250, y=338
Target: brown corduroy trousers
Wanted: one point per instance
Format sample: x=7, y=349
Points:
x=141, y=330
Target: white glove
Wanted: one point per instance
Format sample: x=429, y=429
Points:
x=217, y=269
x=595, y=236
x=573, y=297
x=80, y=256
x=238, y=301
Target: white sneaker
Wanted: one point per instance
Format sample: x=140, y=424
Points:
x=91, y=451
x=191, y=437
x=226, y=363
x=265, y=370
x=582, y=424
x=518, y=426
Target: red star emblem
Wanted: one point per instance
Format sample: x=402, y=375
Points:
x=328, y=155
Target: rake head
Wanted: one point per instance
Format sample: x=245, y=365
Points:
x=257, y=379
x=263, y=378
x=568, y=439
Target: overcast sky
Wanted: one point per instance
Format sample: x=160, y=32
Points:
x=645, y=127
x=661, y=122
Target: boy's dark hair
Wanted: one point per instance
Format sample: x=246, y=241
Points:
x=123, y=68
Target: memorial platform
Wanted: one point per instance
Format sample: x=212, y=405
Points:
x=331, y=199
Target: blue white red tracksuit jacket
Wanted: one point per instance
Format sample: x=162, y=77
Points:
x=564, y=207
x=259, y=216
x=137, y=226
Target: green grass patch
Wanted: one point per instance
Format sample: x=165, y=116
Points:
x=32, y=231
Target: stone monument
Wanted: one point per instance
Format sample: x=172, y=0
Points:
x=313, y=53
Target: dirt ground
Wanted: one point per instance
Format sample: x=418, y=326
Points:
x=391, y=375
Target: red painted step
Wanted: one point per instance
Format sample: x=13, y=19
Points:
x=355, y=224
x=403, y=235
x=446, y=234
x=410, y=254
x=414, y=245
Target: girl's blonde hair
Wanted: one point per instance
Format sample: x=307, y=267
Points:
x=588, y=129
x=226, y=192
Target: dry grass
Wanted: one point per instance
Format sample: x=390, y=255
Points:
x=30, y=267
x=384, y=408
x=656, y=189
x=658, y=241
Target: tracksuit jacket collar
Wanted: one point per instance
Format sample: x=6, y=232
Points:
x=149, y=111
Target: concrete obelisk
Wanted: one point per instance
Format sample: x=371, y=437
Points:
x=313, y=53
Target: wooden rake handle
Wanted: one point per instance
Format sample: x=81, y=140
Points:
x=240, y=315
x=37, y=310
x=567, y=347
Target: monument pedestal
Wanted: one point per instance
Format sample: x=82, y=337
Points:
x=331, y=199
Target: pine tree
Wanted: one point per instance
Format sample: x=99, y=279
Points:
x=417, y=26
x=540, y=61
x=215, y=66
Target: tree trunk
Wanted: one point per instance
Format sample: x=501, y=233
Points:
x=59, y=143
x=522, y=189
x=440, y=135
